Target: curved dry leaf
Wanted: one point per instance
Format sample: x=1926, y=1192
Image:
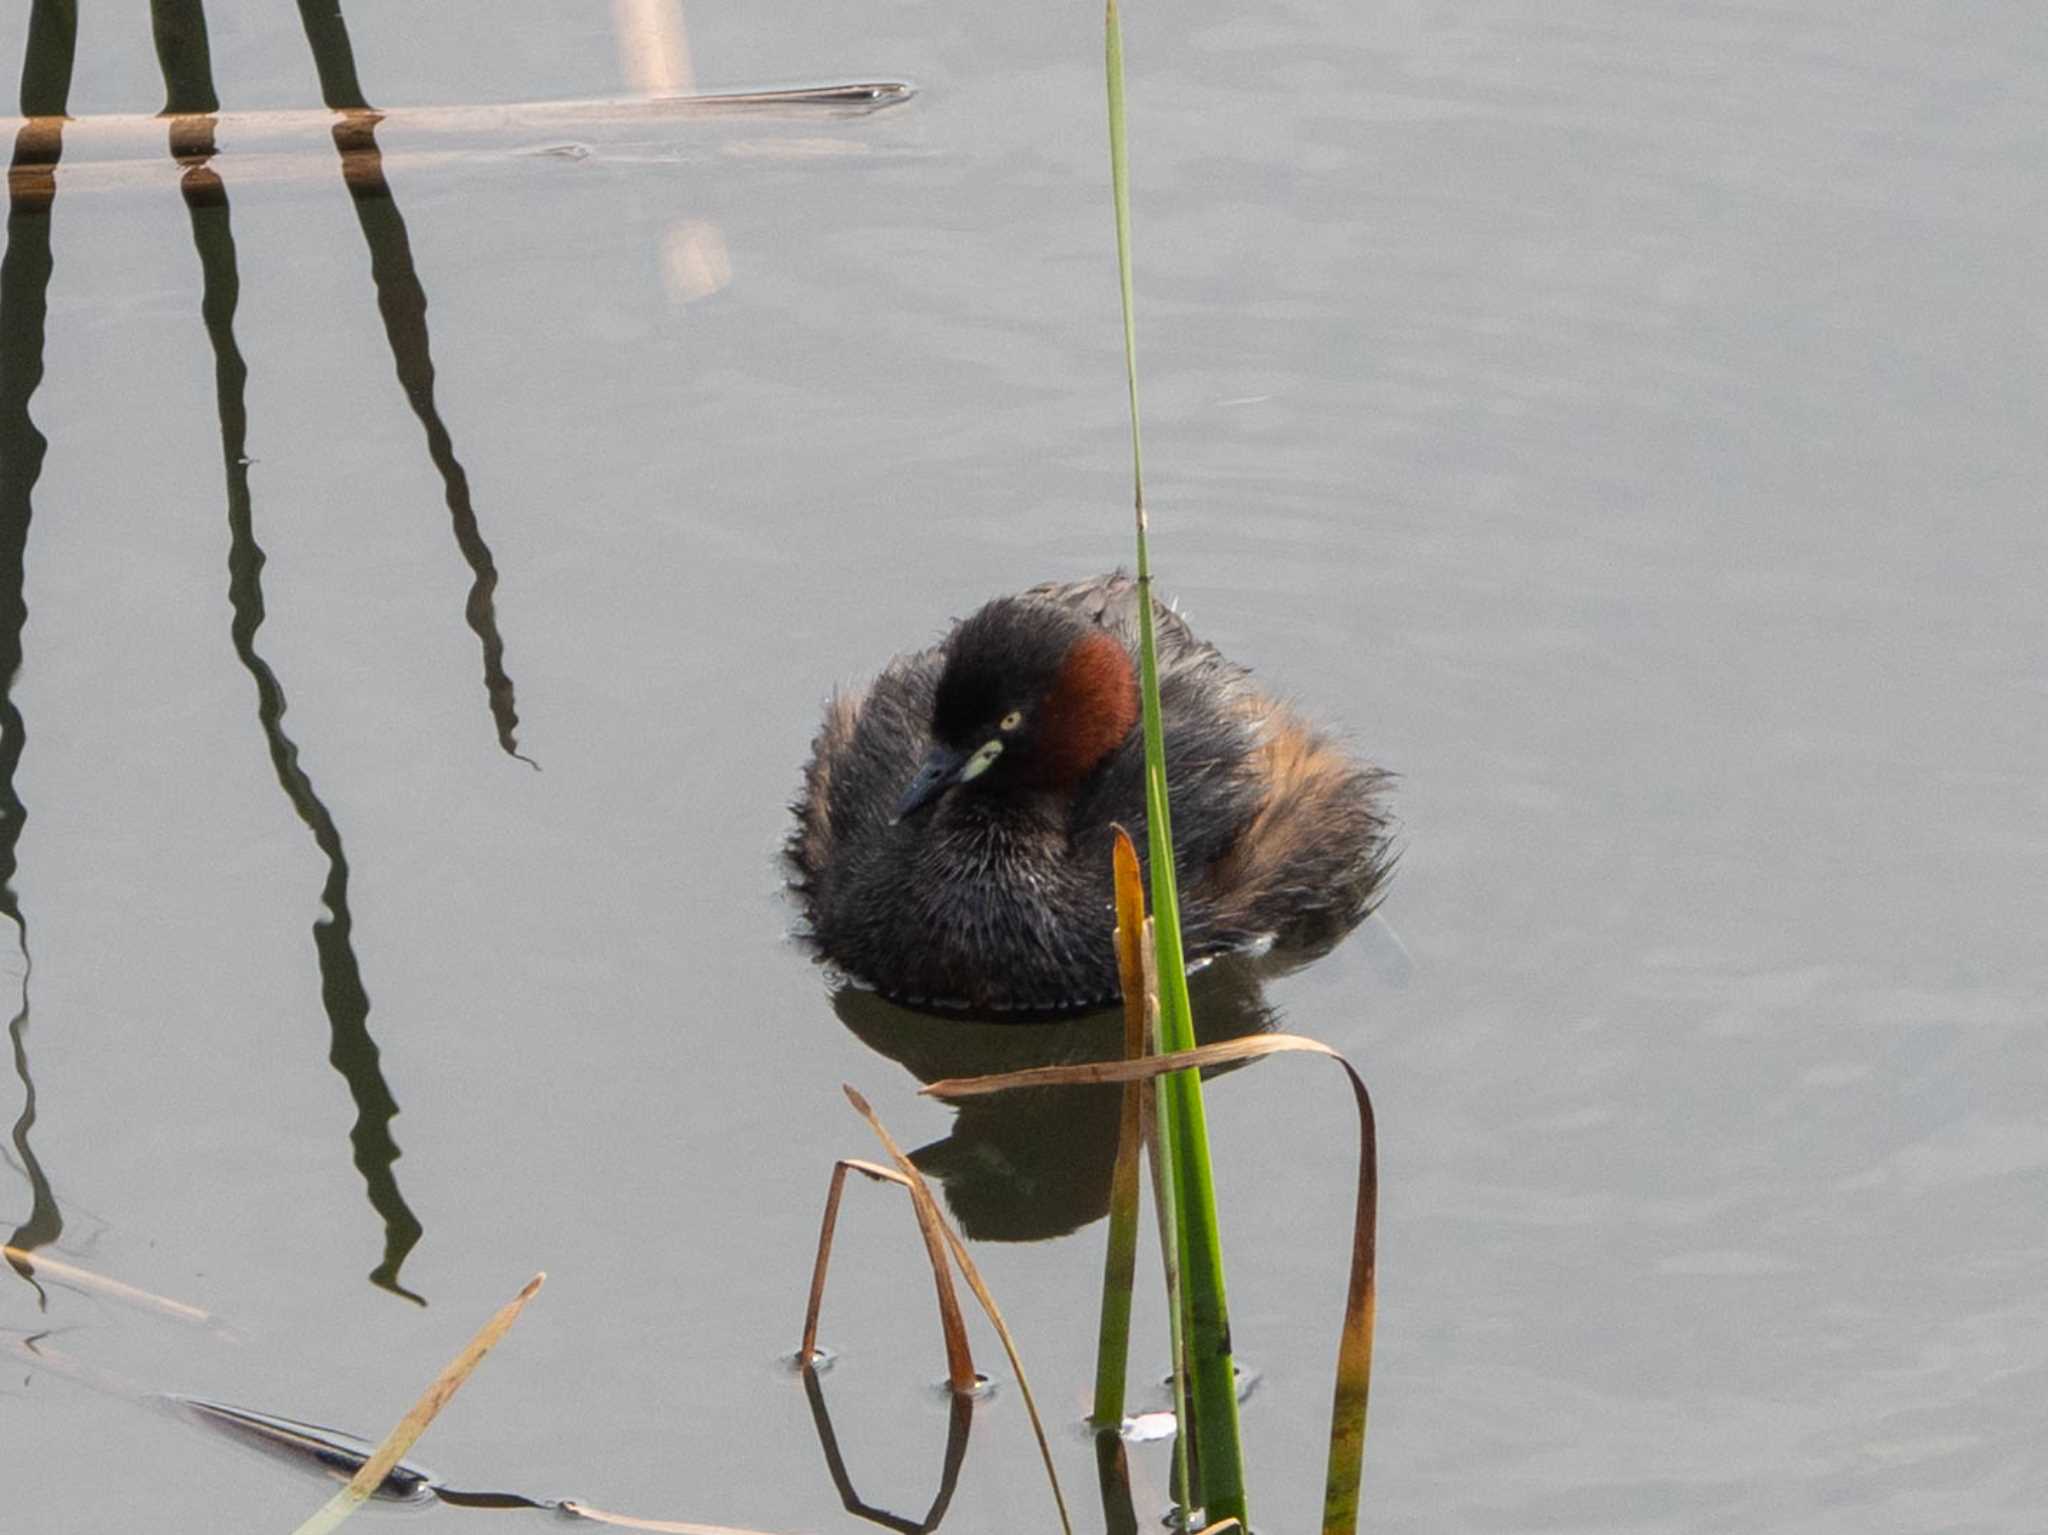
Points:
x=1354, y=1348
x=959, y=1359
x=922, y=1193
x=85, y=1279
x=668, y=1526
x=1120, y=1254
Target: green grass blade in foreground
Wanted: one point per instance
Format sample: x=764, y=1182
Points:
x=1157, y=1129
x=1212, y=1375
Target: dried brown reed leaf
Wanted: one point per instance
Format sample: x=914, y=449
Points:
x=504, y=119
x=627, y=1522
x=1130, y=929
x=1120, y=1254
x=85, y=1279
x=1354, y=1348
x=922, y=1193
x=371, y=1476
x=1091, y=1072
x=959, y=1359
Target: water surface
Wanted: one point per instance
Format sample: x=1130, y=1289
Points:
x=1625, y=421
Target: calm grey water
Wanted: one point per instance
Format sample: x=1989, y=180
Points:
x=1626, y=420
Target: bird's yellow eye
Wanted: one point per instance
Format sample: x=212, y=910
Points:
x=1011, y=720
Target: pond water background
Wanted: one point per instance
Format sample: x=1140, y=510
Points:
x=1628, y=421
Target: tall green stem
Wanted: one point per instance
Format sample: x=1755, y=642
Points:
x=1212, y=1376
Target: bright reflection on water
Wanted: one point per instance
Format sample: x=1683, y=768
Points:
x=433, y=537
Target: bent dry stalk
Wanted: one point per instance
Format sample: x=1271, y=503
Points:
x=1120, y=1256
x=402, y=1438
x=1354, y=1353
x=930, y=1219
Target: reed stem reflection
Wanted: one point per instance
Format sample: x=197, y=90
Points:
x=1113, y=1477
x=25, y=272
x=353, y=1053
x=958, y=1423
x=402, y=302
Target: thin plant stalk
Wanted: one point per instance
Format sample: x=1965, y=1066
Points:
x=370, y=1475
x=1120, y=1254
x=930, y=1217
x=1212, y=1376
x=960, y=1375
x=34, y=1263
x=1158, y=1134
x=1354, y=1357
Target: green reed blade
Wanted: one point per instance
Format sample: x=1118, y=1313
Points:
x=1211, y=1374
x=1157, y=1128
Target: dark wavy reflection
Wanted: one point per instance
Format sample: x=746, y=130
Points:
x=1113, y=1477
x=184, y=54
x=333, y=55
x=958, y=1423
x=402, y=302
x=45, y=1221
x=353, y=1053
x=25, y=270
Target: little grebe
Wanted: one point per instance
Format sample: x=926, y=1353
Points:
x=952, y=845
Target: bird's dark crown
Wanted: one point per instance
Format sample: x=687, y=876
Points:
x=1057, y=690
x=1005, y=658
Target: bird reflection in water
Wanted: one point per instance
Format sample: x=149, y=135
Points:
x=958, y=1422
x=1028, y=1165
x=1036, y=1163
